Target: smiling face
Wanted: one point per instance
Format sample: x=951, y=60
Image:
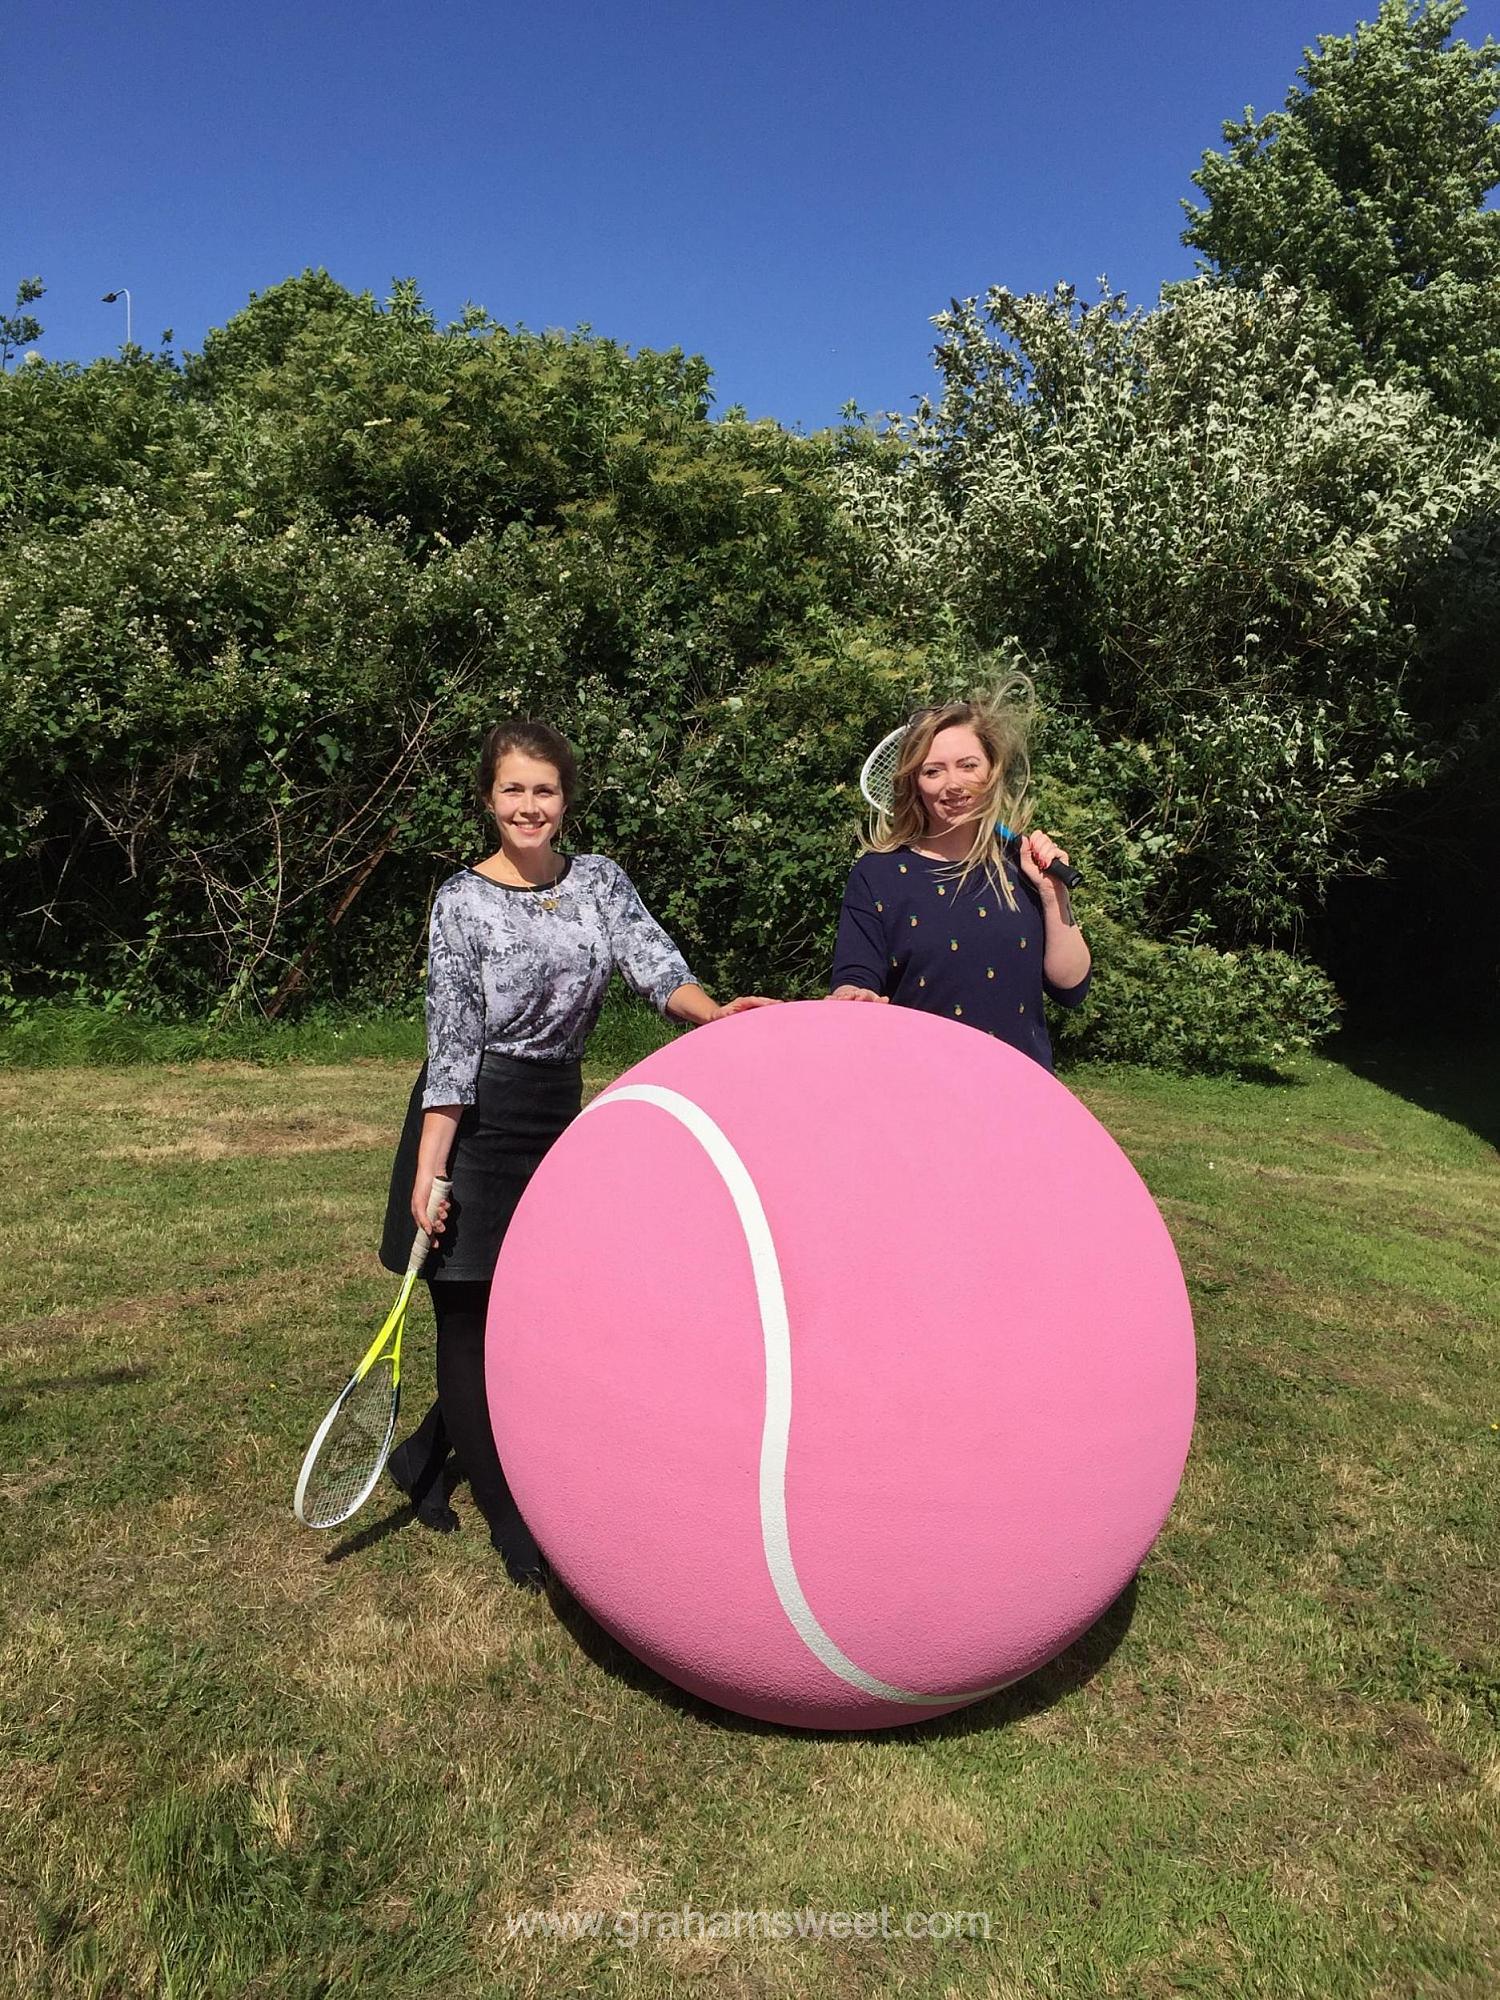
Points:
x=953, y=774
x=527, y=802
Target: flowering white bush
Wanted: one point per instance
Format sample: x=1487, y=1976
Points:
x=1200, y=545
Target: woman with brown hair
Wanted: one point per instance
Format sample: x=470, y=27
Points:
x=521, y=949
x=950, y=908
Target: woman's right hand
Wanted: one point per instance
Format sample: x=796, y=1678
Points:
x=858, y=993
x=425, y=1213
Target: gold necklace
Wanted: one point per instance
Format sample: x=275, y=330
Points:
x=545, y=892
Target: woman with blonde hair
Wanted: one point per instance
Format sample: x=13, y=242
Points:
x=950, y=908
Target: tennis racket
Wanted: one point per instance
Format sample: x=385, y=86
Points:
x=877, y=781
x=353, y=1442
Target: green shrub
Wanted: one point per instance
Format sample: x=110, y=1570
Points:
x=254, y=619
x=1184, y=1006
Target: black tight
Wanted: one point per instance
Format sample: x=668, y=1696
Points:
x=459, y=1421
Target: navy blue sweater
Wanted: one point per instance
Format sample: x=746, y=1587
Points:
x=908, y=931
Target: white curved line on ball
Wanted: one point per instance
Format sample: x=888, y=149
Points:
x=777, y=1335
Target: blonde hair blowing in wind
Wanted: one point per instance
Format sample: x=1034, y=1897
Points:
x=1001, y=719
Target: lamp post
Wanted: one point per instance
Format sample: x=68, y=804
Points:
x=109, y=299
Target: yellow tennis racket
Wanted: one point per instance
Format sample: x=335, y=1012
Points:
x=353, y=1442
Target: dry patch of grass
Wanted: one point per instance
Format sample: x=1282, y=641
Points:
x=605, y=1876
x=363, y=1649
x=254, y=1138
x=112, y=1314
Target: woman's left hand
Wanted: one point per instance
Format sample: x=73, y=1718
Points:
x=1037, y=852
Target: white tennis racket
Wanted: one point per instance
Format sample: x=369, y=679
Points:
x=353, y=1442
x=877, y=781
x=877, y=778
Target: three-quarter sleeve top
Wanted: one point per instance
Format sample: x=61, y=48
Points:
x=909, y=931
x=523, y=972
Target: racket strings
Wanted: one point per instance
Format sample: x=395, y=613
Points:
x=353, y=1448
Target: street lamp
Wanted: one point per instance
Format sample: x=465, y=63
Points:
x=109, y=299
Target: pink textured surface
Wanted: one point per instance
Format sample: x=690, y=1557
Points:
x=992, y=1367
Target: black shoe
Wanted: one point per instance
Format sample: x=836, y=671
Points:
x=532, y=1577
x=427, y=1490
x=526, y=1566
x=433, y=1510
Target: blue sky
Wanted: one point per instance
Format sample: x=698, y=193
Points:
x=790, y=190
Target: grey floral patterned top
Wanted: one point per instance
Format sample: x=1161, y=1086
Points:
x=524, y=972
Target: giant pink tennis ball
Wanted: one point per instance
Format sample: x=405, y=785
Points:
x=841, y=1363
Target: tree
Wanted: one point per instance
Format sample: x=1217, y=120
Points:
x=256, y=612
x=1238, y=578
x=20, y=328
x=1369, y=189
x=255, y=615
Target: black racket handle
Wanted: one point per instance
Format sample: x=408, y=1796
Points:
x=1058, y=870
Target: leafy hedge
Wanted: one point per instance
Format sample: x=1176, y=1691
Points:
x=1184, y=1006
x=255, y=613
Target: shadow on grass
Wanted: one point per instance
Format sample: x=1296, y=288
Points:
x=403, y=1515
x=1459, y=1081
x=1072, y=1669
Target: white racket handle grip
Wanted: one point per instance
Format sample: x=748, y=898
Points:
x=441, y=1189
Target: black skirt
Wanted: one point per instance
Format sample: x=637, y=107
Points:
x=503, y=1136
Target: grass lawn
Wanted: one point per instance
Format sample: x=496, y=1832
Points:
x=239, y=1759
